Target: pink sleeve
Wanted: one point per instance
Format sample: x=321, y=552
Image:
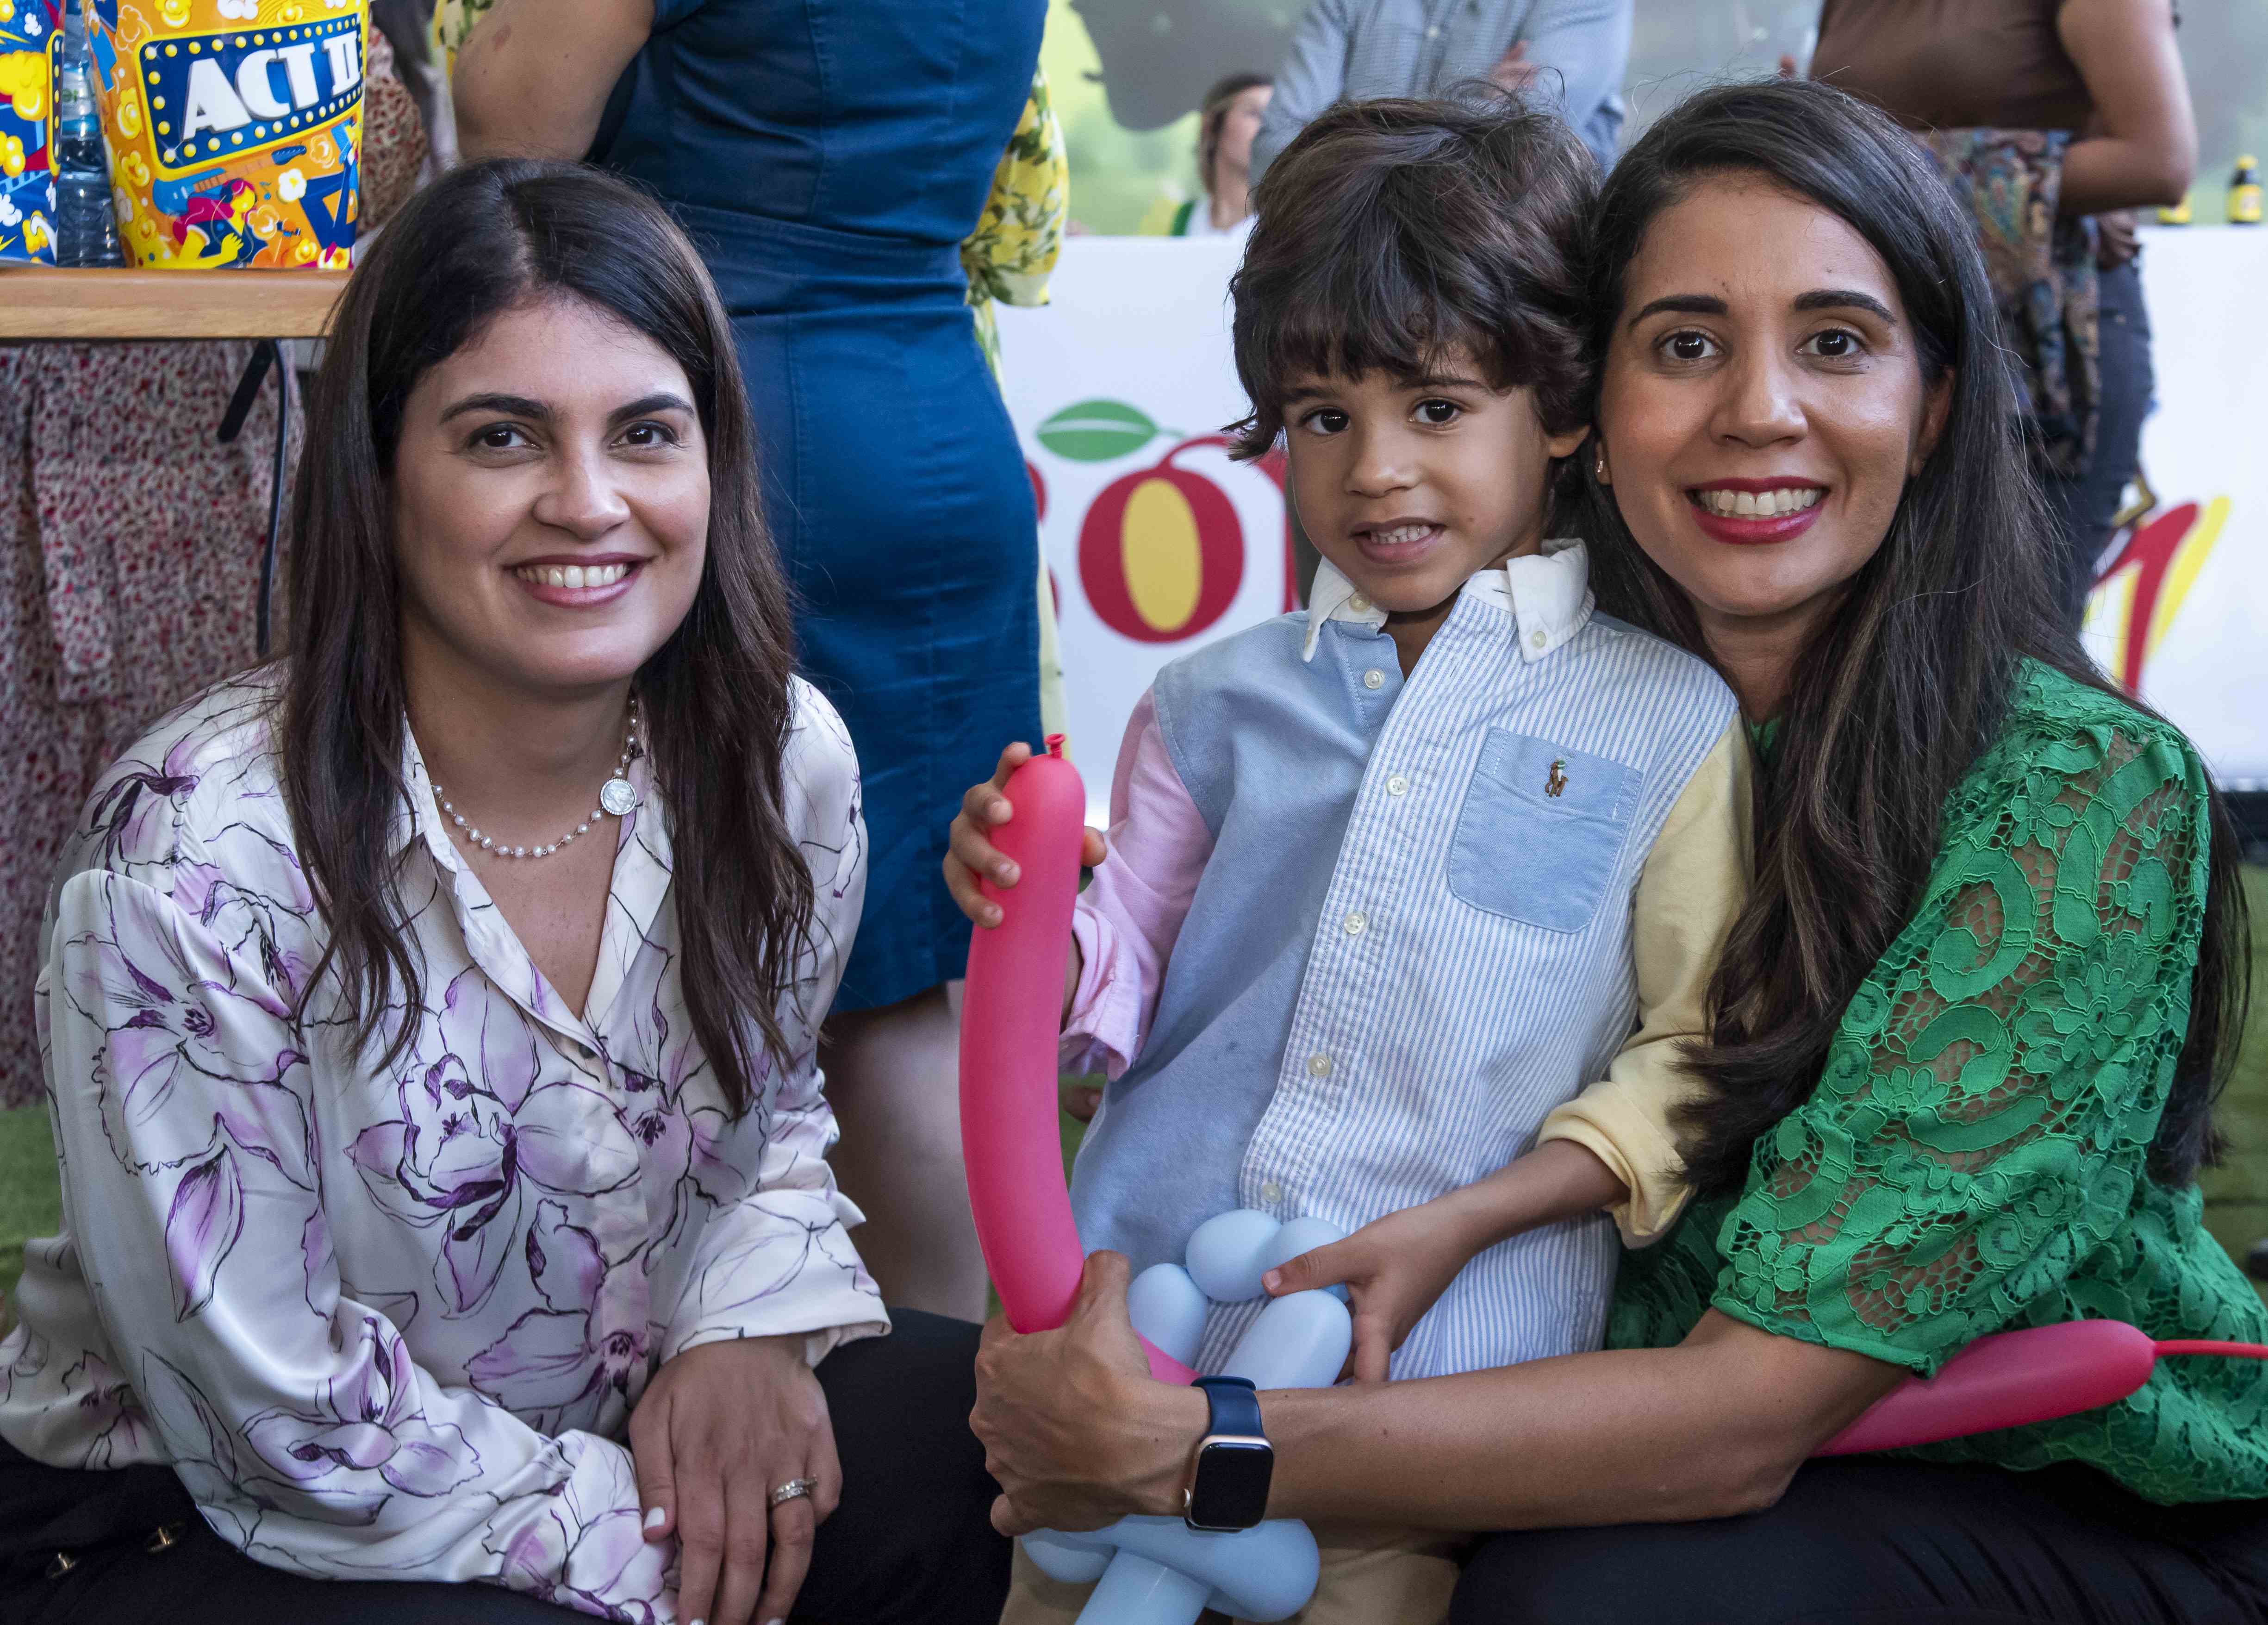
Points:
x=1132, y=910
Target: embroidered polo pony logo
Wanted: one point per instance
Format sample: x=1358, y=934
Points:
x=1557, y=781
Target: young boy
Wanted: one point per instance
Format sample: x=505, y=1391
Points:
x=1435, y=872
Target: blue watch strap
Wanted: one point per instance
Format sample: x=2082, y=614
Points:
x=1235, y=1406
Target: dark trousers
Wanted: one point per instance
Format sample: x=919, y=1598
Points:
x=2084, y=507
x=1875, y=1541
x=909, y=1545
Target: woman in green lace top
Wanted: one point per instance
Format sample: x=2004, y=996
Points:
x=1967, y=1028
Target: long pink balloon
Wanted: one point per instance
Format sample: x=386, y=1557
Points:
x=1010, y=1020
x=2015, y=1378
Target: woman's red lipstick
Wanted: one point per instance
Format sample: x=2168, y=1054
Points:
x=1753, y=529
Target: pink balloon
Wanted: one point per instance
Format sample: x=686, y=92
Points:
x=1011, y=1018
x=2007, y=1381
x=2015, y=1378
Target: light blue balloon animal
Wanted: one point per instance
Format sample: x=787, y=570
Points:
x=1159, y=1570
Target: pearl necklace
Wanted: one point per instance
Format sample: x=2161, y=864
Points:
x=618, y=795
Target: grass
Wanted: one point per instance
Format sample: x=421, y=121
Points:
x=31, y=1204
x=2236, y=1193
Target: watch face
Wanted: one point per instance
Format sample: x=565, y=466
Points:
x=1230, y=1490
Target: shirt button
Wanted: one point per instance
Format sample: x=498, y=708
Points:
x=1536, y=640
x=1374, y=678
x=1319, y=1065
x=1397, y=786
x=1271, y=1192
x=1434, y=32
x=1359, y=605
x=1357, y=923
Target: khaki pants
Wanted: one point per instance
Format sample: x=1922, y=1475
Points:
x=1372, y=1576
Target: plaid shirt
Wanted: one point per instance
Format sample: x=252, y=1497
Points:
x=1354, y=50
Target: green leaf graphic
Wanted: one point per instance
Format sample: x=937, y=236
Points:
x=1096, y=431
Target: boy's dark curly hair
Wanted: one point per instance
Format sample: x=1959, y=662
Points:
x=1392, y=231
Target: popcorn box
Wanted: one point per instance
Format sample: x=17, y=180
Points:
x=30, y=41
x=235, y=129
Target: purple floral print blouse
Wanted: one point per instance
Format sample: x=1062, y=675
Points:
x=390, y=1323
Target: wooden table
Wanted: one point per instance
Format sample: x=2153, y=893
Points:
x=43, y=302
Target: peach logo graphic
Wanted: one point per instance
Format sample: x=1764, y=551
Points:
x=2142, y=590
x=1161, y=549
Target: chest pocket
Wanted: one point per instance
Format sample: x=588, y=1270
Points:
x=1541, y=831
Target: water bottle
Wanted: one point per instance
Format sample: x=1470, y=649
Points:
x=86, y=233
x=2244, y=193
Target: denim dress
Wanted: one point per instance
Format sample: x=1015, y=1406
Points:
x=827, y=157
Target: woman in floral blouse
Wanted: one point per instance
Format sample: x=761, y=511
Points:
x=430, y=1026
x=1967, y=1031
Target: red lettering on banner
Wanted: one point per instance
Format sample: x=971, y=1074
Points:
x=2150, y=552
x=1160, y=551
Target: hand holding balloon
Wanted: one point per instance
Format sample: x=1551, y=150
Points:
x=973, y=862
x=1153, y=1570
x=1068, y=1421
x=970, y=856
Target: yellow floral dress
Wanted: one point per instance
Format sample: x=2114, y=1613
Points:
x=453, y=22
x=1009, y=256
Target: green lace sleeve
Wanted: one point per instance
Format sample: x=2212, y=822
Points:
x=1984, y=1115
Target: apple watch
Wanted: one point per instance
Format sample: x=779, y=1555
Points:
x=1228, y=1484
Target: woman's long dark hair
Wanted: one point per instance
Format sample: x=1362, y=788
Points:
x=715, y=697
x=1909, y=680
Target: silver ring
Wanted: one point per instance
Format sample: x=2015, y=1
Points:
x=794, y=1490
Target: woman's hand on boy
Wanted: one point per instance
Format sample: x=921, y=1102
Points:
x=719, y=1428
x=1393, y=1268
x=969, y=854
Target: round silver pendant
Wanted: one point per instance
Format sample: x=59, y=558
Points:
x=618, y=796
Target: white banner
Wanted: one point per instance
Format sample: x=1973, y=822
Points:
x=2179, y=613
x=1157, y=543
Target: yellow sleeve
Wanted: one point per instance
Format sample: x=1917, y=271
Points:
x=1693, y=886
x=1017, y=238
x=1021, y=234
x=453, y=22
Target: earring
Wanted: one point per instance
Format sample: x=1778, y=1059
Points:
x=1599, y=461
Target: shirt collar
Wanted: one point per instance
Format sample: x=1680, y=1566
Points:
x=1547, y=592
x=1334, y=598
x=418, y=815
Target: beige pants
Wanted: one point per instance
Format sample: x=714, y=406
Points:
x=1372, y=1576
